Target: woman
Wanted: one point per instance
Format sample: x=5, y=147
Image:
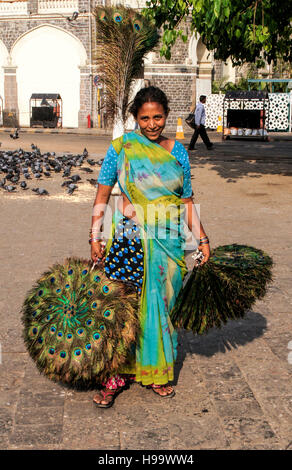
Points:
x=147, y=244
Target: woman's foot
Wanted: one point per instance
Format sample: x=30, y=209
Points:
x=106, y=397
x=165, y=391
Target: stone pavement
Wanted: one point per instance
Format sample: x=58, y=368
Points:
x=233, y=386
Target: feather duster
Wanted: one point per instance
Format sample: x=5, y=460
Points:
x=222, y=289
x=123, y=38
x=78, y=324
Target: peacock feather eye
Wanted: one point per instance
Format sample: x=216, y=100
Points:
x=34, y=331
x=40, y=340
x=40, y=292
x=137, y=26
x=90, y=293
x=89, y=322
x=102, y=327
x=34, y=313
x=102, y=15
x=60, y=334
x=50, y=307
x=107, y=313
x=88, y=346
x=77, y=352
x=82, y=286
x=96, y=336
x=97, y=278
x=67, y=286
x=51, y=351
x=105, y=289
x=118, y=18
x=52, y=280
x=84, y=272
x=70, y=272
x=58, y=290
x=48, y=317
x=63, y=354
x=53, y=329
x=94, y=305
x=80, y=332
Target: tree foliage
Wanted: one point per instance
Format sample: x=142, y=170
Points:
x=243, y=30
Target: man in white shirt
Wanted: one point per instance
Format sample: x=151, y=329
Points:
x=200, y=129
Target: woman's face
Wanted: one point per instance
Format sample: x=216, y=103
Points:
x=151, y=118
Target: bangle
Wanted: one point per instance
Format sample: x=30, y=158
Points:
x=204, y=240
x=94, y=240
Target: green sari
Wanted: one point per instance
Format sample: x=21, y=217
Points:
x=152, y=179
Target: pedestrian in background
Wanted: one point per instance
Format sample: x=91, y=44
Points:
x=200, y=117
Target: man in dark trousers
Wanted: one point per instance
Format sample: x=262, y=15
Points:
x=200, y=129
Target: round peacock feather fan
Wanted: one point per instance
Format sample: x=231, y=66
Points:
x=222, y=289
x=78, y=324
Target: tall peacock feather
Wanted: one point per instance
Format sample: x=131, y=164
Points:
x=79, y=325
x=123, y=38
x=222, y=289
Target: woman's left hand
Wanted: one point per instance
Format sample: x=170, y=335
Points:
x=205, y=249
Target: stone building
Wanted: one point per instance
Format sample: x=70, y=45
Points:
x=45, y=49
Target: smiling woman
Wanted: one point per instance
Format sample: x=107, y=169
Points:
x=146, y=247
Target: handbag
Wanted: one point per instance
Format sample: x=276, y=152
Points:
x=190, y=120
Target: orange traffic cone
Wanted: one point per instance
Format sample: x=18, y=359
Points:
x=179, y=130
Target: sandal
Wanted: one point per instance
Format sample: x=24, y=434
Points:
x=108, y=396
x=163, y=388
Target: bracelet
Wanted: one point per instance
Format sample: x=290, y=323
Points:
x=94, y=240
x=204, y=238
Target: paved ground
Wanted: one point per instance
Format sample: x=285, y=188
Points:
x=233, y=386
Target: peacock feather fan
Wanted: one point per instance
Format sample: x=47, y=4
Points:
x=123, y=38
x=223, y=289
x=78, y=324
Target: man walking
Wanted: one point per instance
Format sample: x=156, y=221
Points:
x=200, y=129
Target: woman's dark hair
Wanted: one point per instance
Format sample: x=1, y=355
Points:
x=147, y=95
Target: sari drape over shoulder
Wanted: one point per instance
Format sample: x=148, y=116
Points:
x=152, y=179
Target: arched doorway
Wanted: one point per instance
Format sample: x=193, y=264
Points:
x=48, y=60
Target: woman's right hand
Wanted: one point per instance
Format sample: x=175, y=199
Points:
x=97, y=252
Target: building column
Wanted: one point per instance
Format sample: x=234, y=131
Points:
x=85, y=78
x=204, y=79
x=10, y=112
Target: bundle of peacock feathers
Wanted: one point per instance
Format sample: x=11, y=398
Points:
x=78, y=324
x=223, y=289
x=123, y=38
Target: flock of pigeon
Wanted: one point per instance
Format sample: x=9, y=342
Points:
x=20, y=168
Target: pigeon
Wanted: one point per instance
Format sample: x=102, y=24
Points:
x=85, y=153
x=9, y=188
x=88, y=170
x=100, y=162
x=47, y=173
x=15, y=135
x=75, y=178
x=40, y=191
x=90, y=161
x=93, y=182
x=23, y=185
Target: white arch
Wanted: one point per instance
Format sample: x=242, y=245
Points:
x=193, y=49
x=4, y=60
x=203, y=55
x=48, y=59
